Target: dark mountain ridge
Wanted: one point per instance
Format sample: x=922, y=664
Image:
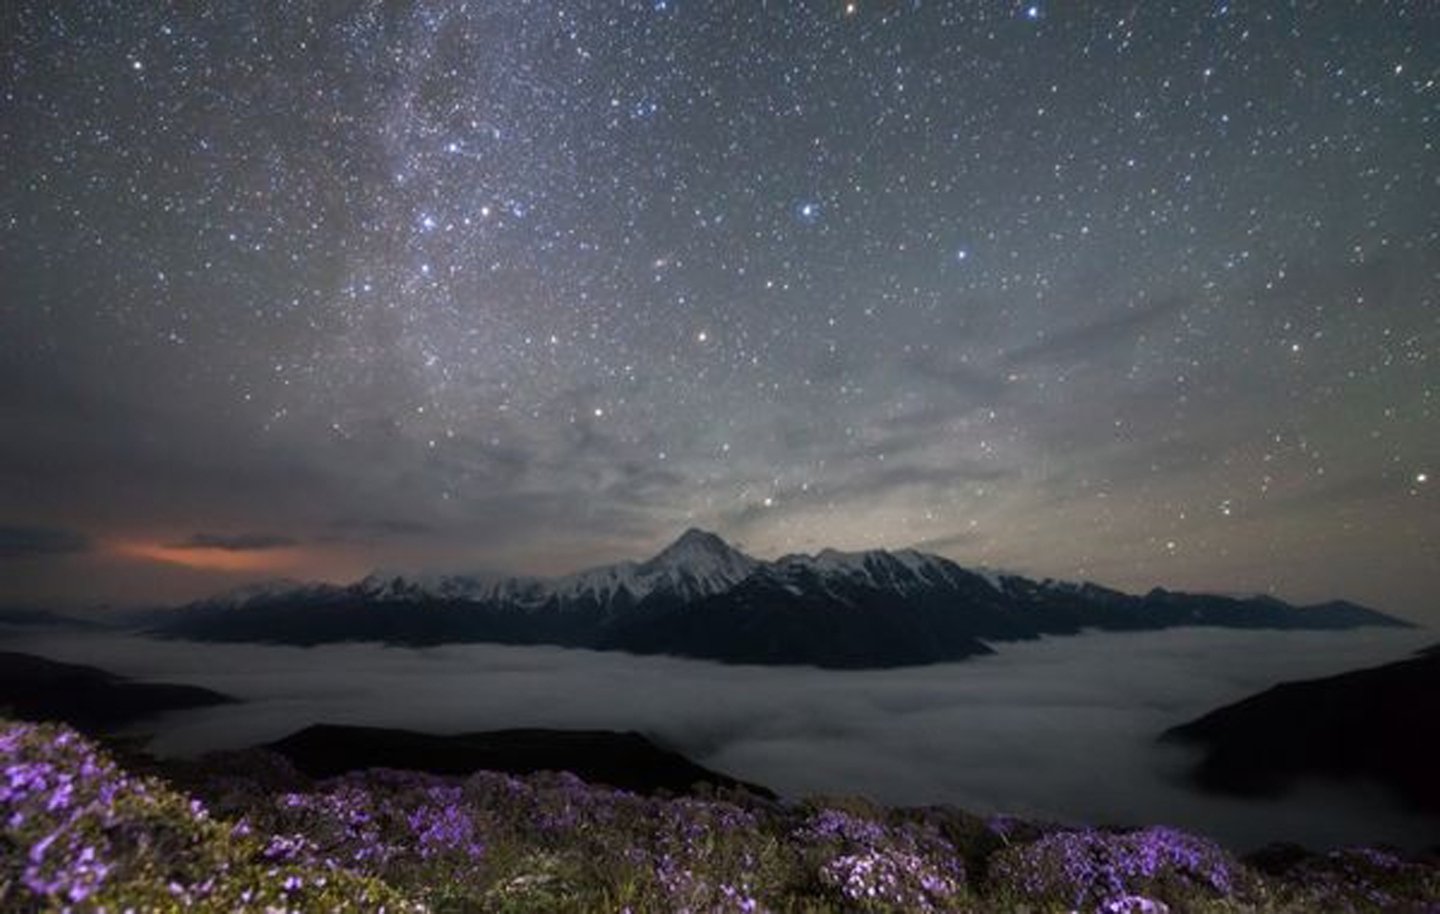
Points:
x=90, y=699
x=1375, y=724
x=628, y=761
x=702, y=598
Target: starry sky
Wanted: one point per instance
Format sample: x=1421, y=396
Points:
x=1142, y=293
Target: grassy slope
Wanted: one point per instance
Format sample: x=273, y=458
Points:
x=249, y=833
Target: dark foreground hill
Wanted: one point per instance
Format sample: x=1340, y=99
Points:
x=89, y=699
x=80, y=833
x=702, y=598
x=628, y=761
x=1375, y=724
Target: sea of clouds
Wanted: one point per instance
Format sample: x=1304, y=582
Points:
x=1063, y=728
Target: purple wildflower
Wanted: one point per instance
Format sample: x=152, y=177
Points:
x=1089, y=868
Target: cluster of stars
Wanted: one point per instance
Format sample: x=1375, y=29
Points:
x=976, y=275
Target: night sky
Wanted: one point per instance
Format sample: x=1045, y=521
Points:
x=1141, y=293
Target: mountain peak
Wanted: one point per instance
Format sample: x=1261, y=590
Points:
x=693, y=543
x=704, y=555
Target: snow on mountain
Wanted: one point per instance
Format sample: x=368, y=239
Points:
x=403, y=587
x=697, y=564
x=700, y=563
x=903, y=571
x=995, y=577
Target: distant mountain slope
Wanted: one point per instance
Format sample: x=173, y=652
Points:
x=89, y=699
x=1377, y=724
x=24, y=617
x=702, y=598
x=625, y=760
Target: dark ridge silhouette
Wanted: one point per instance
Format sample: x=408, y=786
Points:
x=628, y=760
x=1376, y=724
x=702, y=598
x=33, y=617
x=89, y=699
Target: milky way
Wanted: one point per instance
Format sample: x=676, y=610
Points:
x=1144, y=293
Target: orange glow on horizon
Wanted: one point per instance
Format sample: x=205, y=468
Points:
x=211, y=559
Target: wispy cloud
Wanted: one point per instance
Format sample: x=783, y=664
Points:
x=1095, y=339
x=19, y=542
x=236, y=542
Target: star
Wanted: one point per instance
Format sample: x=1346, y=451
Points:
x=1089, y=285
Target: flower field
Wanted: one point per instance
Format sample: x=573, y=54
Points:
x=245, y=832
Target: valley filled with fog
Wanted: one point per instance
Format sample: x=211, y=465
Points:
x=1062, y=728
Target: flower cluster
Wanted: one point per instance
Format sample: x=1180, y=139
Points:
x=839, y=826
x=1126, y=871
x=889, y=878
x=1134, y=904
x=84, y=835
x=443, y=827
x=59, y=798
x=875, y=865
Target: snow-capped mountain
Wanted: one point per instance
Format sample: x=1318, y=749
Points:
x=904, y=571
x=699, y=563
x=696, y=565
x=701, y=597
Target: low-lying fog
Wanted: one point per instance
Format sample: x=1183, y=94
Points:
x=1064, y=728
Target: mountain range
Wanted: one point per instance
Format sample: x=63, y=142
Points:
x=700, y=597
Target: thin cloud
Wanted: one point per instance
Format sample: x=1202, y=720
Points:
x=958, y=376
x=236, y=542
x=18, y=542
x=1091, y=341
x=365, y=529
